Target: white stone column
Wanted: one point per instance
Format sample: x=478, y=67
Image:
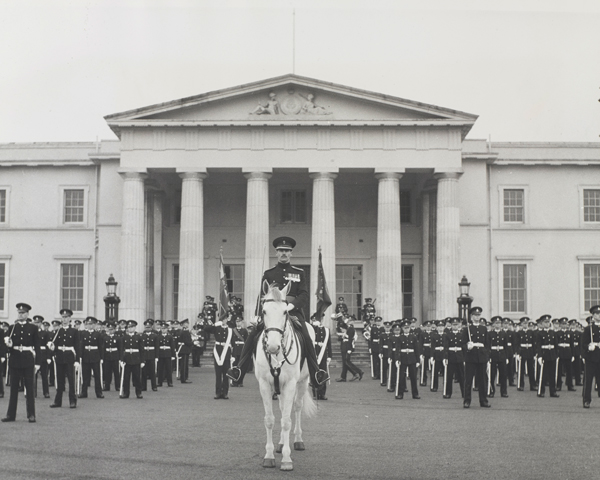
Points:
x=191, y=246
x=447, y=244
x=323, y=235
x=158, y=253
x=425, y=255
x=257, y=237
x=132, y=284
x=389, y=247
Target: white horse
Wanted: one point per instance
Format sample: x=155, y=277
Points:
x=277, y=368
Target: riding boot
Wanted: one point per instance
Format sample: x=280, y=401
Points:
x=237, y=373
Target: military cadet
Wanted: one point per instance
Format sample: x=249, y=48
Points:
x=368, y=310
x=121, y=328
x=198, y=340
x=184, y=348
x=393, y=370
x=508, y=328
x=67, y=351
x=281, y=275
x=44, y=359
x=237, y=309
x=166, y=350
x=375, y=348
x=91, y=357
x=526, y=355
x=576, y=333
x=475, y=343
x=425, y=351
x=132, y=353
x=150, y=358
x=209, y=309
x=175, y=331
x=453, y=358
x=222, y=356
x=497, y=341
x=3, y=355
x=111, y=345
x=324, y=354
x=437, y=353
x=385, y=355
x=564, y=342
x=348, y=345
x=406, y=358
x=240, y=334
x=590, y=348
x=23, y=343
x=54, y=326
x=547, y=354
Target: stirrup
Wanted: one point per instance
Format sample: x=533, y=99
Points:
x=234, y=373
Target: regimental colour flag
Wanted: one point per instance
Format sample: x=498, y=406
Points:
x=223, y=294
x=323, y=299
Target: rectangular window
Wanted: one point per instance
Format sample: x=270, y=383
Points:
x=73, y=206
x=514, y=288
x=513, y=205
x=2, y=287
x=405, y=207
x=293, y=206
x=235, y=280
x=349, y=286
x=591, y=205
x=175, y=290
x=71, y=286
x=591, y=285
x=2, y=207
x=407, y=291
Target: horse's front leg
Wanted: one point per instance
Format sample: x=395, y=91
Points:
x=265, y=392
x=286, y=402
x=298, y=403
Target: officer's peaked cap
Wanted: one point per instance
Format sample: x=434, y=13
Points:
x=284, y=242
x=23, y=306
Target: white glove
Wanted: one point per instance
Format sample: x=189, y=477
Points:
x=232, y=359
x=2, y=360
x=381, y=355
x=51, y=345
x=507, y=361
x=142, y=365
x=122, y=363
x=49, y=360
x=328, y=360
x=8, y=342
x=445, y=362
x=289, y=307
x=470, y=345
x=397, y=363
x=417, y=365
x=591, y=347
x=540, y=360
x=36, y=368
x=76, y=364
x=349, y=352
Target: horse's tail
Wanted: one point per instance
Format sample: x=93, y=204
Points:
x=309, y=406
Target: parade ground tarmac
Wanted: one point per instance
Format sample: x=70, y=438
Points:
x=361, y=432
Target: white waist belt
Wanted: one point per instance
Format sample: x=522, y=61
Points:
x=112, y=349
x=64, y=349
x=565, y=345
x=439, y=348
x=131, y=350
x=21, y=348
x=220, y=343
x=91, y=347
x=427, y=344
x=497, y=348
x=548, y=347
x=479, y=345
x=407, y=350
x=165, y=347
x=526, y=345
x=42, y=348
x=149, y=348
x=455, y=349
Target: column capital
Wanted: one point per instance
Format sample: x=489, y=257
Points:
x=192, y=175
x=128, y=174
x=258, y=175
x=323, y=175
x=385, y=175
x=257, y=169
x=452, y=175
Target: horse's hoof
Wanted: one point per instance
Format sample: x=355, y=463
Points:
x=286, y=466
x=269, y=463
x=298, y=445
x=279, y=448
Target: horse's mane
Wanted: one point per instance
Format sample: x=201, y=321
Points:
x=274, y=294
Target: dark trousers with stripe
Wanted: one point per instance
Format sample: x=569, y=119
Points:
x=65, y=370
x=17, y=375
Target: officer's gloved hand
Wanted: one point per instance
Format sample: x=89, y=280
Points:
x=49, y=360
x=328, y=360
x=36, y=368
x=142, y=365
x=540, y=360
x=2, y=360
x=8, y=341
x=76, y=364
x=381, y=355
x=445, y=362
x=592, y=347
x=470, y=345
x=289, y=307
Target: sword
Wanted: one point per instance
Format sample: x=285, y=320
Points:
x=433, y=373
x=422, y=358
x=55, y=374
x=122, y=373
x=518, y=372
x=7, y=369
x=398, y=377
x=35, y=375
x=177, y=358
x=556, y=373
x=445, y=377
x=389, y=379
x=489, y=375
x=372, y=367
x=102, y=373
x=380, y=367
x=541, y=378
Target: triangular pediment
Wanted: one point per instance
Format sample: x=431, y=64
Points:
x=290, y=98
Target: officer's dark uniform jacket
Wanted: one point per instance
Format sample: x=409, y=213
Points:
x=111, y=344
x=67, y=346
x=280, y=275
x=437, y=346
x=220, y=334
x=527, y=347
x=375, y=340
x=132, y=351
x=320, y=334
x=564, y=343
x=210, y=310
x=386, y=343
x=546, y=345
x=151, y=346
x=44, y=338
x=426, y=344
x=406, y=349
x=25, y=350
x=349, y=338
x=576, y=336
x=185, y=343
x=341, y=307
x=166, y=348
x=453, y=347
x=497, y=340
x=238, y=339
x=91, y=346
x=480, y=351
x=510, y=346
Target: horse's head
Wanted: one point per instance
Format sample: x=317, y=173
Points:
x=274, y=317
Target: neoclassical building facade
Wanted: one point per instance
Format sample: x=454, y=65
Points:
x=399, y=203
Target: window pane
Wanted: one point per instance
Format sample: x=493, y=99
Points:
x=73, y=206
x=351, y=289
x=235, y=281
x=2, y=285
x=71, y=295
x=591, y=285
x=513, y=205
x=514, y=288
x=591, y=205
x=300, y=207
x=175, y=290
x=407, y=291
x=286, y=207
x=405, y=207
x=293, y=206
x=2, y=207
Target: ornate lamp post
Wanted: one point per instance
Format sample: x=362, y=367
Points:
x=111, y=301
x=464, y=301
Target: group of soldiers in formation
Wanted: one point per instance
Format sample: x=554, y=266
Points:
x=114, y=353
x=479, y=356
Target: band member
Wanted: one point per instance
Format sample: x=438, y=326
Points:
x=281, y=275
x=368, y=310
x=475, y=343
x=590, y=347
x=526, y=355
x=341, y=307
x=240, y=334
x=23, y=343
x=91, y=356
x=166, y=350
x=150, y=358
x=425, y=351
x=209, y=310
x=184, y=348
x=547, y=355
x=132, y=353
x=453, y=358
x=407, y=356
x=508, y=328
x=393, y=371
x=576, y=333
x=222, y=356
x=111, y=345
x=66, y=346
x=497, y=340
x=348, y=344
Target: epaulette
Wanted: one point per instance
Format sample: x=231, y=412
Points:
x=272, y=268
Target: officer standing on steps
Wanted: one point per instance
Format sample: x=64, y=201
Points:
x=280, y=275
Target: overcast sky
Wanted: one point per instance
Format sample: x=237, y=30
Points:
x=529, y=69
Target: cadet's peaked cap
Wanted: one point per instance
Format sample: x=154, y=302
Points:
x=110, y=324
x=588, y=319
x=131, y=323
x=122, y=322
x=287, y=243
x=38, y=318
x=496, y=319
x=91, y=320
x=398, y=324
x=184, y=321
x=387, y=322
x=595, y=309
x=545, y=318
x=66, y=311
x=563, y=321
x=524, y=319
x=149, y=322
x=23, y=306
x=456, y=320
x=377, y=319
x=56, y=322
x=341, y=299
x=47, y=324
x=368, y=299
x=5, y=324
x=476, y=311
x=77, y=322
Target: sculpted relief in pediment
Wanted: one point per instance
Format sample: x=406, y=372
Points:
x=290, y=103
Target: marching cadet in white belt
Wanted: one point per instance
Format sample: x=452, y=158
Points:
x=324, y=354
x=166, y=350
x=375, y=347
x=91, y=357
x=475, y=343
x=132, y=353
x=497, y=340
x=24, y=348
x=222, y=356
x=386, y=352
x=508, y=328
x=564, y=342
x=111, y=345
x=66, y=346
x=185, y=344
x=425, y=350
x=393, y=371
x=453, y=358
x=151, y=347
x=437, y=353
x=407, y=356
x=526, y=354
x=547, y=355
